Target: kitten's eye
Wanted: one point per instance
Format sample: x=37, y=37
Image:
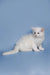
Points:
x=38, y=32
x=34, y=32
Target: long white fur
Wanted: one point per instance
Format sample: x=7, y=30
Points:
x=29, y=42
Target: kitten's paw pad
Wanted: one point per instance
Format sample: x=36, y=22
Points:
x=42, y=49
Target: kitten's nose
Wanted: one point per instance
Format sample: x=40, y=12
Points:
x=35, y=35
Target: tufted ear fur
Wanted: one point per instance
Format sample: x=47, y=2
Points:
x=42, y=29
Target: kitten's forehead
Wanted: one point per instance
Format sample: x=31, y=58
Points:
x=37, y=29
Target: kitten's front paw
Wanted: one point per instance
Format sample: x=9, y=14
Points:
x=42, y=49
x=37, y=50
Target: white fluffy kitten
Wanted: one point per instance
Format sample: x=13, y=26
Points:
x=29, y=42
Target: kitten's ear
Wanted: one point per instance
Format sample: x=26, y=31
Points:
x=42, y=29
x=33, y=28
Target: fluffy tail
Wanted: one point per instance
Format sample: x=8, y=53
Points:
x=16, y=50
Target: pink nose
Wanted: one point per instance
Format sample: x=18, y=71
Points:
x=35, y=35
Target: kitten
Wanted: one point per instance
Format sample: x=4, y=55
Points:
x=29, y=42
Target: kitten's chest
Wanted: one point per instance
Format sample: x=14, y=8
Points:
x=38, y=41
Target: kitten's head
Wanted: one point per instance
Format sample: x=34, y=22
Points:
x=38, y=32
